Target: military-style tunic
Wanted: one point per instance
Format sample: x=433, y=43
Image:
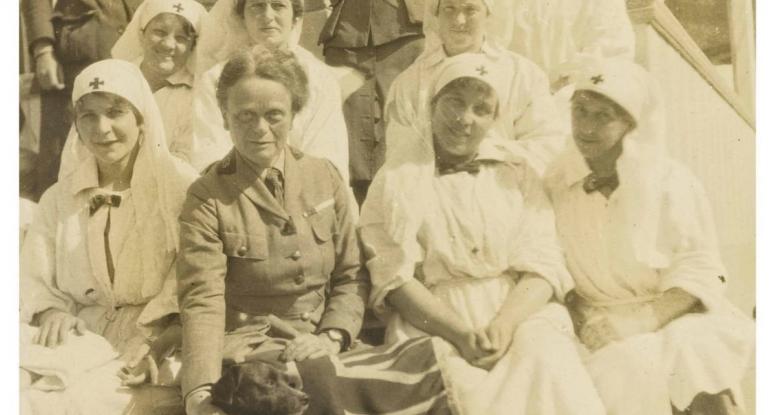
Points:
x=243, y=254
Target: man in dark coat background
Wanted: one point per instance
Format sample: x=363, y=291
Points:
x=379, y=38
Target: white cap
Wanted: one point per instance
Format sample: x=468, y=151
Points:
x=620, y=80
x=473, y=65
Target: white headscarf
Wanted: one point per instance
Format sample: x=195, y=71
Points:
x=639, y=166
x=407, y=173
x=129, y=45
x=223, y=33
x=158, y=180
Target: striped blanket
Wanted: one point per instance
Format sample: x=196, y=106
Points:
x=398, y=379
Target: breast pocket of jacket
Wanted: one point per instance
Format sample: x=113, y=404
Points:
x=323, y=226
x=247, y=264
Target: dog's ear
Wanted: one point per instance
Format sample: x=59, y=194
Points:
x=224, y=390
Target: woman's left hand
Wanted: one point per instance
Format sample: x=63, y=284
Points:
x=139, y=368
x=496, y=338
x=618, y=324
x=309, y=346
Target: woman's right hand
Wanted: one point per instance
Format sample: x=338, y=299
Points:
x=55, y=326
x=47, y=68
x=470, y=345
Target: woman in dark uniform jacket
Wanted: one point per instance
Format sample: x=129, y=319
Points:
x=266, y=230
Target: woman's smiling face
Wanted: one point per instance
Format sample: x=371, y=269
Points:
x=108, y=126
x=461, y=117
x=598, y=123
x=167, y=43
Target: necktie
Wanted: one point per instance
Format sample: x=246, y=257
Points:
x=472, y=167
x=97, y=201
x=593, y=182
x=274, y=182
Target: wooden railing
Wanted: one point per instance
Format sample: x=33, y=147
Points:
x=741, y=95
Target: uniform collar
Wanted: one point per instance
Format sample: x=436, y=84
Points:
x=438, y=55
x=575, y=168
x=254, y=172
x=181, y=77
x=253, y=187
x=86, y=176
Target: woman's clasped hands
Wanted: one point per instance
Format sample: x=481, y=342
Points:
x=484, y=347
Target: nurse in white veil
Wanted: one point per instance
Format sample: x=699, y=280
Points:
x=235, y=25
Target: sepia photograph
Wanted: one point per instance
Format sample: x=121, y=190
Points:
x=385, y=207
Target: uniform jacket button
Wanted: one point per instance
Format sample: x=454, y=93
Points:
x=299, y=279
x=305, y=316
x=296, y=255
x=242, y=251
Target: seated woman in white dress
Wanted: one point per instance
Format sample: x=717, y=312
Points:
x=461, y=245
x=100, y=254
x=161, y=39
x=528, y=116
x=640, y=243
x=236, y=25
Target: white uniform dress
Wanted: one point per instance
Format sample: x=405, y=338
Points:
x=113, y=267
x=478, y=232
x=527, y=114
x=64, y=265
x=175, y=101
x=318, y=129
x=701, y=352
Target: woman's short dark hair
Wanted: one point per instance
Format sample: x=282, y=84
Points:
x=465, y=83
x=276, y=65
x=297, y=7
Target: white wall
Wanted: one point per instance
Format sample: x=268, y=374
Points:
x=719, y=146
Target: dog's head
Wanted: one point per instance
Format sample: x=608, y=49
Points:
x=259, y=388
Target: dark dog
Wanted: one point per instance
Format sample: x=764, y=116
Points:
x=259, y=388
x=401, y=379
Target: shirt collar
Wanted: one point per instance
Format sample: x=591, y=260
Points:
x=438, y=55
x=277, y=164
x=181, y=77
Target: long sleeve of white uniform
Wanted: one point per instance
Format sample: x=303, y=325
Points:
x=537, y=124
x=390, y=264
x=688, y=230
x=38, y=287
x=536, y=248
